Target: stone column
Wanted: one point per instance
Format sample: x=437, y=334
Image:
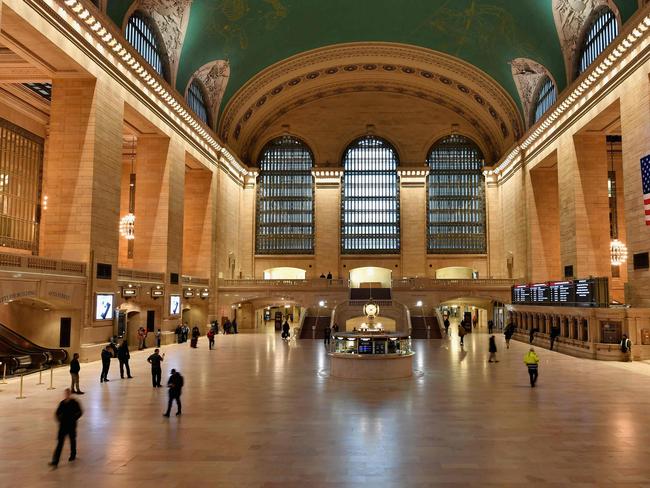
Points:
x=327, y=220
x=413, y=221
x=82, y=181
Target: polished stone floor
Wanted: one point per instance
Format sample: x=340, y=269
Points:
x=261, y=412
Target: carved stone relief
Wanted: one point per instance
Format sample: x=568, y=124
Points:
x=570, y=18
x=214, y=77
x=527, y=75
x=171, y=17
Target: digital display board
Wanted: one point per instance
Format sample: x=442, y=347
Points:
x=590, y=292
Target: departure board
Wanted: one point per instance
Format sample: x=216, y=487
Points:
x=590, y=292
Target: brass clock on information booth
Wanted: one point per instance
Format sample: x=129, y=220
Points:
x=371, y=309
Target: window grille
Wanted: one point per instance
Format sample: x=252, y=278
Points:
x=456, y=201
x=601, y=33
x=42, y=89
x=21, y=174
x=370, y=198
x=285, y=198
x=141, y=35
x=546, y=98
x=196, y=101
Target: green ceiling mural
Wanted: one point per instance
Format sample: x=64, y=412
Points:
x=254, y=34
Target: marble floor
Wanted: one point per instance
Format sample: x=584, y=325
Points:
x=262, y=412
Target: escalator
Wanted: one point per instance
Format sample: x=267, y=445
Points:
x=21, y=354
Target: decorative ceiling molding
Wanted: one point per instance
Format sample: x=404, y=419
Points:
x=570, y=18
x=489, y=140
x=527, y=75
x=171, y=18
x=430, y=73
x=214, y=77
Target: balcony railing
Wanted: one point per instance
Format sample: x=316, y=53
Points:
x=318, y=283
x=194, y=280
x=127, y=274
x=43, y=265
x=399, y=284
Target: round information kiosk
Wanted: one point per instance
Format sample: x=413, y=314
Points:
x=371, y=355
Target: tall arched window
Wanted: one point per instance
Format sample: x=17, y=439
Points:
x=456, y=203
x=546, y=96
x=196, y=101
x=601, y=32
x=285, y=198
x=370, y=198
x=141, y=34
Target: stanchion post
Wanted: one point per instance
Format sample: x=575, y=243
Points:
x=40, y=377
x=20, y=396
x=51, y=387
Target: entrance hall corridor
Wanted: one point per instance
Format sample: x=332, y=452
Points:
x=261, y=412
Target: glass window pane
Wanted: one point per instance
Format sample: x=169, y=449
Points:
x=370, y=198
x=285, y=198
x=456, y=201
x=141, y=35
x=601, y=33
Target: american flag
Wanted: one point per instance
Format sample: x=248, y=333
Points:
x=645, y=178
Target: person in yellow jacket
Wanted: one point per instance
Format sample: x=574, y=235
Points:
x=531, y=359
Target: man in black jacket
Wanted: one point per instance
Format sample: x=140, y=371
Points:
x=106, y=363
x=75, y=367
x=67, y=414
x=156, y=370
x=123, y=357
x=175, y=385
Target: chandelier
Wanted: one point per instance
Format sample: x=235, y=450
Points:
x=618, y=252
x=127, y=227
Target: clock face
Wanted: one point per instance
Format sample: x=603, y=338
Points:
x=371, y=309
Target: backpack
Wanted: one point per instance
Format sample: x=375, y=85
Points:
x=625, y=345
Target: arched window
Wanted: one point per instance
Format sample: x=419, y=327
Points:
x=546, y=97
x=141, y=34
x=601, y=32
x=196, y=101
x=456, y=203
x=370, y=198
x=285, y=198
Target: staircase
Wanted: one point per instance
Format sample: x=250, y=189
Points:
x=320, y=322
x=419, y=327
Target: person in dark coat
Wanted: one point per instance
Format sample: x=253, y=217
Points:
x=531, y=335
x=123, y=357
x=462, y=331
x=555, y=333
x=493, y=350
x=210, y=336
x=195, y=336
x=175, y=385
x=508, y=333
x=226, y=326
x=446, y=324
x=285, y=330
x=490, y=326
x=156, y=370
x=106, y=363
x=75, y=367
x=328, y=335
x=67, y=414
x=234, y=326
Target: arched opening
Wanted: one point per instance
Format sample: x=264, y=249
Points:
x=370, y=277
x=142, y=33
x=545, y=97
x=370, y=198
x=197, y=99
x=600, y=32
x=456, y=197
x=284, y=273
x=285, y=198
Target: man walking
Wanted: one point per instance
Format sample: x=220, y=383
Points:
x=175, y=385
x=626, y=348
x=531, y=359
x=67, y=414
x=106, y=363
x=210, y=336
x=158, y=335
x=156, y=371
x=123, y=357
x=74, y=374
x=446, y=324
x=328, y=335
x=462, y=332
x=493, y=350
x=555, y=333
